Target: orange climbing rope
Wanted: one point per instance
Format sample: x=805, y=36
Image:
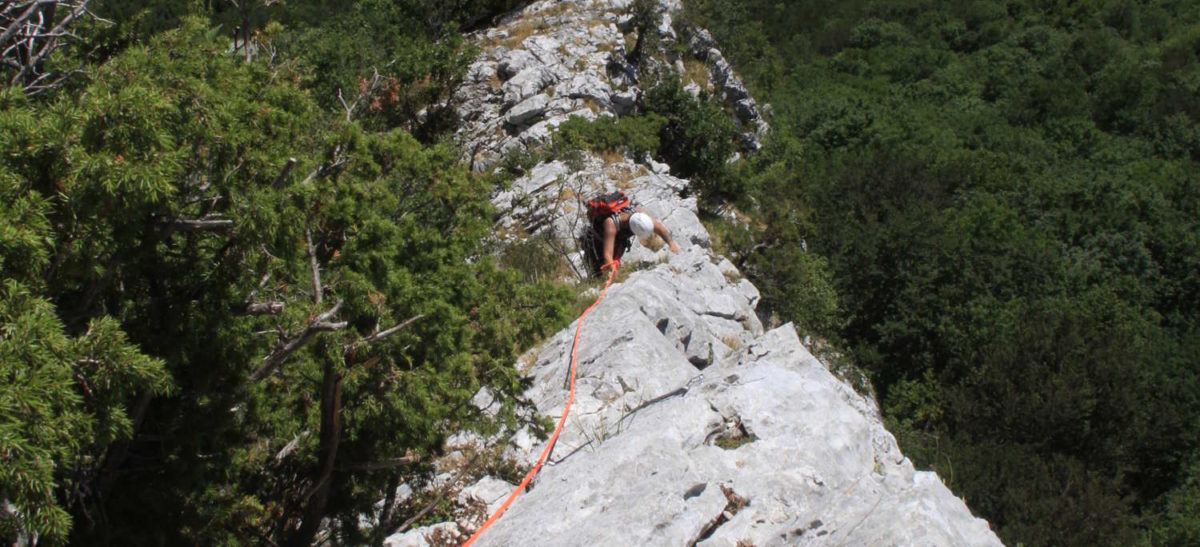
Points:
x=570, y=398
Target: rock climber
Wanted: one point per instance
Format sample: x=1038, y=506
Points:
x=614, y=221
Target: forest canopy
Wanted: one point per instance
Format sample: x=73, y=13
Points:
x=1004, y=196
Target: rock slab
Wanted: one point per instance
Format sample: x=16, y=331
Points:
x=692, y=423
x=760, y=445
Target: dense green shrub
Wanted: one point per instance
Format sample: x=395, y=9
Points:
x=199, y=266
x=698, y=137
x=637, y=136
x=1180, y=524
x=1002, y=194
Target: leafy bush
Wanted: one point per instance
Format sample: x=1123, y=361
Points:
x=633, y=135
x=698, y=137
x=1180, y=520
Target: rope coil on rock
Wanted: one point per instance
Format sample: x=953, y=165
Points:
x=612, y=267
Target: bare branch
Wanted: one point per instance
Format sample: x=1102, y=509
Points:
x=364, y=93
x=287, y=346
x=208, y=224
x=37, y=88
x=338, y=161
x=348, y=107
x=384, y=334
x=249, y=302
x=316, y=268
x=290, y=448
x=313, y=175
x=18, y=21
x=261, y=308
x=30, y=31
x=384, y=464
x=287, y=168
x=438, y=499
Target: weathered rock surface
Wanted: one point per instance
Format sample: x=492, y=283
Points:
x=692, y=423
x=763, y=447
x=529, y=109
x=573, y=52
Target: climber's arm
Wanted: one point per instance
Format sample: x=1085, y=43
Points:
x=610, y=240
x=664, y=233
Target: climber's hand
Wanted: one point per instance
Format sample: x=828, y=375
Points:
x=674, y=247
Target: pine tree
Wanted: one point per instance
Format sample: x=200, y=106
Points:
x=285, y=310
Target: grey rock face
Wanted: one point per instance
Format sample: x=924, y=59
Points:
x=527, y=83
x=692, y=423
x=576, y=53
x=764, y=446
x=544, y=48
x=528, y=110
x=420, y=537
x=625, y=101
x=587, y=86
x=515, y=62
x=701, y=41
x=745, y=109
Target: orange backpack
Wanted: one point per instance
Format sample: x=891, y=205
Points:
x=607, y=205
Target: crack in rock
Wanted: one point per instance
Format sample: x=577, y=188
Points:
x=734, y=503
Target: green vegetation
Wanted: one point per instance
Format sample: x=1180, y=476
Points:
x=1004, y=194
x=698, y=137
x=732, y=443
x=635, y=135
x=232, y=305
x=691, y=133
x=246, y=287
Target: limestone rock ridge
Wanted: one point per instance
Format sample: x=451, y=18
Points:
x=693, y=424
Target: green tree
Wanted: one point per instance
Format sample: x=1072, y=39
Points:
x=698, y=137
x=318, y=289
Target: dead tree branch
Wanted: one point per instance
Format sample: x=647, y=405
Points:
x=30, y=31
x=287, y=346
x=316, y=268
x=290, y=447
x=274, y=307
x=250, y=307
x=366, y=89
x=207, y=224
x=385, y=333
x=337, y=161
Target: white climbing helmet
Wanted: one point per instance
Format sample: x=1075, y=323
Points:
x=641, y=224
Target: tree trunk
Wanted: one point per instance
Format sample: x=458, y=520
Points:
x=331, y=436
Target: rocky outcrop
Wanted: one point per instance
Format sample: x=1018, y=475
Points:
x=569, y=57
x=693, y=424
x=764, y=446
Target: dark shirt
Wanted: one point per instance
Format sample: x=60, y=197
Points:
x=595, y=245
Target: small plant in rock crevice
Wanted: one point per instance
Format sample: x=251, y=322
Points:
x=731, y=435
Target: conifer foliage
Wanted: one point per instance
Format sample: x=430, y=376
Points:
x=233, y=311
